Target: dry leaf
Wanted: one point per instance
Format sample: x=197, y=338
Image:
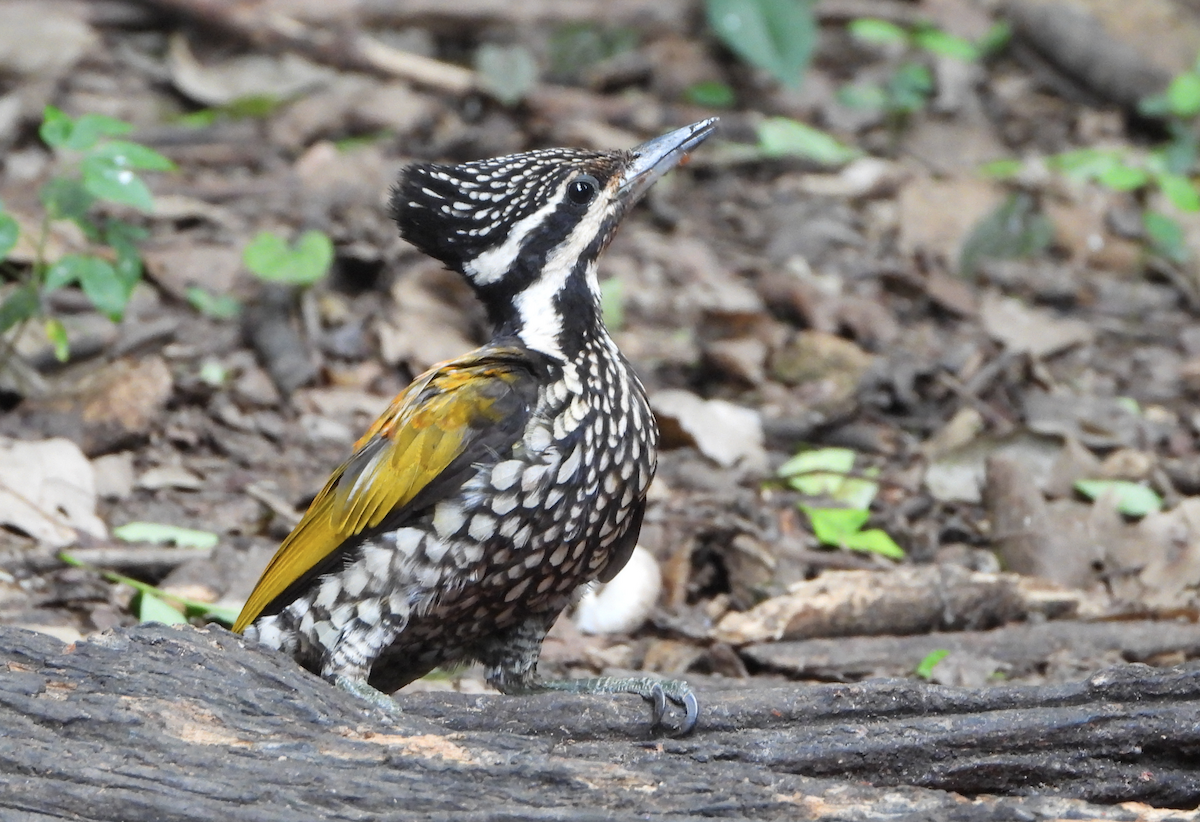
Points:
x=48, y=491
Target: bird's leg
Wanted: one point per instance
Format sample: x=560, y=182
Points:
x=361, y=689
x=512, y=669
x=347, y=664
x=656, y=691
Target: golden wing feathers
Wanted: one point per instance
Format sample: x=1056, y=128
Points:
x=446, y=420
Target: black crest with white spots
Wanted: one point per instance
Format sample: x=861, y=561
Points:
x=455, y=213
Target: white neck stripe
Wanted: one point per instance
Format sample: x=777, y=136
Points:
x=491, y=266
x=541, y=323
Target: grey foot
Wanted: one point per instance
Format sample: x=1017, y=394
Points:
x=365, y=692
x=658, y=692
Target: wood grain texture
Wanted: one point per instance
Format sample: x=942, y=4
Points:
x=159, y=723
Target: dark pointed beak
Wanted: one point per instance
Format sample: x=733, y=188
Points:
x=654, y=158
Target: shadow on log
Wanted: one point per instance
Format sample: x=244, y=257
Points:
x=159, y=723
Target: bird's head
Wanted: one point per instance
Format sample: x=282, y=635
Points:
x=526, y=230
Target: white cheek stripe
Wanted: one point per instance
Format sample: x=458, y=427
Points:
x=541, y=324
x=491, y=266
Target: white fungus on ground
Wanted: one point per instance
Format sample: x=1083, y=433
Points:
x=622, y=605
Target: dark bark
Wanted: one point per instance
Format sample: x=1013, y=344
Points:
x=1021, y=648
x=158, y=723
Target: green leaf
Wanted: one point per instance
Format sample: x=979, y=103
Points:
x=1016, y=228
x=833, y=526
x=612, y=304
x=203, y=118
x=818, y=472
x=150, y=608
x=349, y=144
x=91, y=127
x=270, y=258
x=56, y=127
x=1180, y=191
x=106, y=180
x=775, y=35
x=166, y=534
x=1183, y=95
x=909, y=88
x=124, y=237
x=217, y=306
x=944, y=44
x=871, y=30
x=67, y=199
x=1133, y=499
x=1156, y=105
x=213, y=613
x=1166, y=237
x=995, y=39
x=1002, y=169
x=858, y=492
x=1122, y=177
x=1084, y=163
x=876, y=542
x=1179, y=154
x=253, y=106
x=191, y=607
x=99, y=281
x=710, y=94
x=785, y=137
x=925, y=667
x=507, y=73
x=57, y=334
x=862, y=95
x=9, y=232
x=19, y=306
x=61, y=273
x=124, y=154
x=213, y=373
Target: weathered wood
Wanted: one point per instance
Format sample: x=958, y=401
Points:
x=1024, y=648
x=177, y=724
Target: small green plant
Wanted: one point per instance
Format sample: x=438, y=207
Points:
x=908, y=88
x=925, y=667
x=159, y=534
x=826, y=473
x=270, y=258
x=152, y=604
x=101, y=169
x=1132, y=498
x=1165, y=169
x=250, y=107
x=1017, y=228
x=711, y=94
x=777, y=36
x=576, y=47
x=217, y=306
x=785, y=138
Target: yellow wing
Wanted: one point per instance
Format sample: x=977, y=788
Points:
x=458, y=411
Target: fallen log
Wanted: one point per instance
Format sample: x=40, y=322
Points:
x=1018, y=649
x=158, y=723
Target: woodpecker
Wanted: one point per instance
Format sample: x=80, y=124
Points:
x=497, y=483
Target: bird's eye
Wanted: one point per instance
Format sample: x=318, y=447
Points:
x=582, y=190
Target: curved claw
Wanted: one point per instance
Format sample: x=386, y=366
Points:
x=680, y=694
x=658, y=697
x=691, y=707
